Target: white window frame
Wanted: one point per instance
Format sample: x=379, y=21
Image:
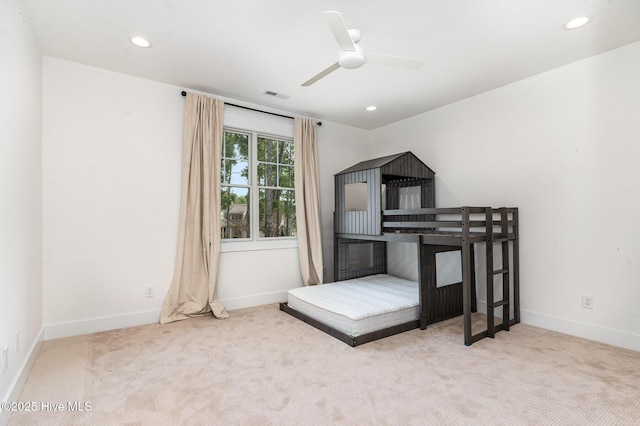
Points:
x=257, y=124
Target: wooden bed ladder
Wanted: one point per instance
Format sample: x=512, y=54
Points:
x=503, y=238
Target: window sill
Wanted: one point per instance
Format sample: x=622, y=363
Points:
x=266, y=244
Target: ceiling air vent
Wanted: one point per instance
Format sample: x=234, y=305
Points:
x=276, y=94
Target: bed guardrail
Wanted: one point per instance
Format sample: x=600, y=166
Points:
x=472, y=223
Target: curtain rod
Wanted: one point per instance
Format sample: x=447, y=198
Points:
x=256, y=110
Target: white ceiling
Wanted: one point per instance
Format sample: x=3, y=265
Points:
x=241, y=48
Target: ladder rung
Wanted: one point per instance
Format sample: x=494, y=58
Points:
x=500, y=303
x=500, y=239
x=501, y=271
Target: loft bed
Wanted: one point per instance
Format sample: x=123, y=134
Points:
x=391, y=199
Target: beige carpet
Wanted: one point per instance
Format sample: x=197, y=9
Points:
x=264, y=367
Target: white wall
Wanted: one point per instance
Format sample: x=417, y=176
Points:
x=563, y=147
x=340, y=147
x=112, y=171
x=20, y=194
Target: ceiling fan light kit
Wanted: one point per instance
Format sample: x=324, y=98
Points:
x=352, y=55
x=351, y=59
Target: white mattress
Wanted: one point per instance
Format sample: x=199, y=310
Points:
x=361, y=305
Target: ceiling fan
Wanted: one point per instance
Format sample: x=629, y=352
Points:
x=352, y=55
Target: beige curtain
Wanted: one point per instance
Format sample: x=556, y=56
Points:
x=193, y=287
x=307, y=200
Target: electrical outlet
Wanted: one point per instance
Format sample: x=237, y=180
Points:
x=149, y=291
x=5, y=358
x=587, y=302
x=17, y=341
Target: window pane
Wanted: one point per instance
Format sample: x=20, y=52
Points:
x=277, y=213
x=235, y=158
x=234, y=171
x=239, y=172
x=267, y=150
x=234, y=214
x=267, y=174
x=286, y=153
x=286, y=178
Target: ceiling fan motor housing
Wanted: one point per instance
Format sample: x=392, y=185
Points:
x=352, y=59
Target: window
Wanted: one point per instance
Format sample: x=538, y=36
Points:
x=355, y=197
x=257, y=187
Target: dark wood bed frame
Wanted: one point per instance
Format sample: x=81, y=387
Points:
x=348, y=339
x=432, y=230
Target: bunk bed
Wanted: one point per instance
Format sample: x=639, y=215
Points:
x=392, y=199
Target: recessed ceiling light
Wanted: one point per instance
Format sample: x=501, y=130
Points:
x=372, y=108
x=577, y=22
x=140, y=41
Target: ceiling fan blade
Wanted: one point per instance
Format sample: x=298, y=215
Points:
x=321, y=74
x=336, y=23
x=394, y=61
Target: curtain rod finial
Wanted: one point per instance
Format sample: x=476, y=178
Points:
x=184, y=93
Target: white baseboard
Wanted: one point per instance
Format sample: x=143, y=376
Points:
x=15, y=389
x=254, y=300
x=610, y=336
x=94, y=325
